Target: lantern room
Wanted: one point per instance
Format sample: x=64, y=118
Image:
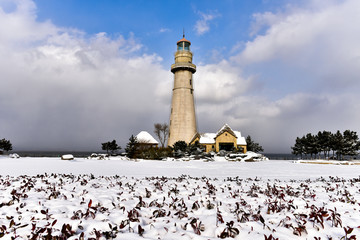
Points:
x=183, y=45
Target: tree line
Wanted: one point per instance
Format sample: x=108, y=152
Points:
x=338, y=145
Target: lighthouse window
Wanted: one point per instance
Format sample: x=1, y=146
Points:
x=190, y=82
x=180, y=46
x=187, y=46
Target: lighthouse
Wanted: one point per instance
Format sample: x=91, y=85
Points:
x=182, y=117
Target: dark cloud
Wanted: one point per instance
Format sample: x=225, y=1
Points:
x=67, y=92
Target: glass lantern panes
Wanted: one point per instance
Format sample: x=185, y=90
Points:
x=187, y=46
x=180, y=46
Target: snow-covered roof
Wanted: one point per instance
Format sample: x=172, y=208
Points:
x=223, y=127
x=240, y=140
x=207, y=138
x=145, y=137
x=226, y=128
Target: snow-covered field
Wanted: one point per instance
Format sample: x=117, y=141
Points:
x=102, y=199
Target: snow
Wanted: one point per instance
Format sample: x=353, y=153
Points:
x=176, y=199
x=14, y=155
x=246, y=157
x=67, y=157
x=207, y=138
x=145, y=137
x=240, y=140
x=284, y=170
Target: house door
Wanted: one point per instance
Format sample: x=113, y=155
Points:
x=226, y=146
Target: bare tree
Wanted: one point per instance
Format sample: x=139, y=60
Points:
x=162, y=132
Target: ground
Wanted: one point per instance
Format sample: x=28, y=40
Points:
x=172, y=199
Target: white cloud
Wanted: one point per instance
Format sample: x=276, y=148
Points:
x=162, y=30
x=203, y=24
x=326, y=34
x=217, y=83
x=261, y=21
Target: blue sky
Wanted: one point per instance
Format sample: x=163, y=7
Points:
x=78, y=73
x=157, y=24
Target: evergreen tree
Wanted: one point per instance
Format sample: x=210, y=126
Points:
x=337, y=144
x=5, y=145
x=333, y=144
x=351, y=144
x=311, y=145
x=299, y=147
x=110, y=146
x=253, y=146
x=180, y=145
x=132, y=147
x=324, y=140
x=195, y=148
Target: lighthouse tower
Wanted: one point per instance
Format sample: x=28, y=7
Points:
x=182, y=117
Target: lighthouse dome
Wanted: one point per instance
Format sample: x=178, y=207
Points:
x=183, y=40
